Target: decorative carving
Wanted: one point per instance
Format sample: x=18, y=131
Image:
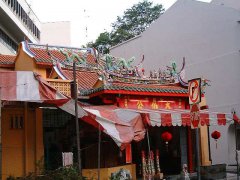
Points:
x=69, y=59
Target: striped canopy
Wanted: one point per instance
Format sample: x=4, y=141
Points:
x=123, y=125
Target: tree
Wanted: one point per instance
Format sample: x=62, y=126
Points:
x=103, y=42
x=134, y=21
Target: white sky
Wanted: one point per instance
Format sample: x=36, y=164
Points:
x=98, y=15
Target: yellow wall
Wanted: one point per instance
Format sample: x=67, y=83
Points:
x=26, y=63
x=204, y=148
x=105, y=173
x=21, y=147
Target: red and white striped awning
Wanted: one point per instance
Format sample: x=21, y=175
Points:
x=123, y=125
x=163, y=117
x=31, y=87
x=26, y=86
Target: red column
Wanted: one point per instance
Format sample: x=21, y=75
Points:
x=190, y=150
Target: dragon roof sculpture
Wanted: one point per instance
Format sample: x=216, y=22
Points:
x=109, y=68
x=123, y=70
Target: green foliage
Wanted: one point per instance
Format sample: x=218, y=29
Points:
x=102, y=43
x=63, y=173
x=134, y=21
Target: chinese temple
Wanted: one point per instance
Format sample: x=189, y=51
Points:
x=145, y=118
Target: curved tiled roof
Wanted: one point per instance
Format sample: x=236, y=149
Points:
x=42, y=57
x=7, y=60
x=86, y=79
x=151, y=88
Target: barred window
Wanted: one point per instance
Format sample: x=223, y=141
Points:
x=16, y=122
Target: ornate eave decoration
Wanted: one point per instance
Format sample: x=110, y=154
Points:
x=114, y=69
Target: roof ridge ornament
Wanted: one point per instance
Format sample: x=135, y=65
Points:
x=70, y=58
x=122, y=70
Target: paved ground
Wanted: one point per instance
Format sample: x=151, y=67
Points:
x=232, y=176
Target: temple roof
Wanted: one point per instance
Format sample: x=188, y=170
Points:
x=7, y=60
x=45, y=55
x=137, y=89
x=86, y=79
x=107, y=74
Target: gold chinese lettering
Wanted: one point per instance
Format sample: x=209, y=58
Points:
x=180, y=103
x=139, y=104
x=154, y=104
x=168, y=105
x=125, y=103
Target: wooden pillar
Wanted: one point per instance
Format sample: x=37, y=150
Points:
x=39, y=149
x=190, y=150
x=204, y=146
x=25, y=138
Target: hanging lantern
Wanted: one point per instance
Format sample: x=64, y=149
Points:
x=216, y=135
x=166, y=136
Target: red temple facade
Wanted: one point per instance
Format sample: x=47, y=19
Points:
x=132, y=109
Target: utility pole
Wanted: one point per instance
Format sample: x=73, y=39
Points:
x=86, y=28
x=99, y=151
x=198, y=155
x=76, y=118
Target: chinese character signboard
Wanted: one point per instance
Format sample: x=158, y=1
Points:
x=194, y=90
x=194, y=115
x=152, y=103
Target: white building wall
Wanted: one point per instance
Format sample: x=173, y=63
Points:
x=5, y=50
x=208, y=35
x=228, y=3
x=56, y=33
x=17, y=20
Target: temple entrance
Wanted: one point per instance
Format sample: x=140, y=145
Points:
x=172, y=155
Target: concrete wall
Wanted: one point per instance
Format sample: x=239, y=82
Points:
x=228, y=3
x=208, y=35
x=56, y=33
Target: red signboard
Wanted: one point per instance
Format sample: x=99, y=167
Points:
x=128, y=153
x=194, y=115
x=151, y=103
x=194, y=89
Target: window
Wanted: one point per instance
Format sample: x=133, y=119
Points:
x=11, y=3
x=4, y=38
x=17, y=8
x=16, y=122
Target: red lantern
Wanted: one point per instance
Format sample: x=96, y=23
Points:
x=216, y=135
x=166, y=136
